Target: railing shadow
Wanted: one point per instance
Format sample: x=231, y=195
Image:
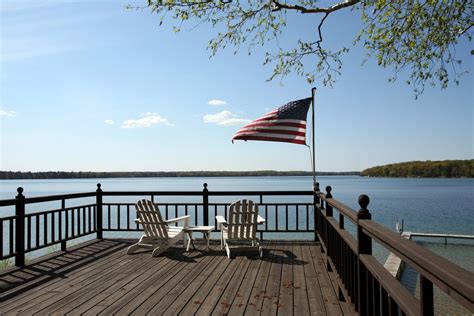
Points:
x=15, y=281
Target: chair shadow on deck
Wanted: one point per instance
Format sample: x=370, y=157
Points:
x=15, y=281
x=282, y=256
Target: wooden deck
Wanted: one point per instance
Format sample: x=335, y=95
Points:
x=99, y=278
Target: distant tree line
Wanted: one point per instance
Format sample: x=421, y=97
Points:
x=5, y=175
x=424, y=169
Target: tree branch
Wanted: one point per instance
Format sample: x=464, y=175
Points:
x=279, y=6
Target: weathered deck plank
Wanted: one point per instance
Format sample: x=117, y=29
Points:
x=99, y=278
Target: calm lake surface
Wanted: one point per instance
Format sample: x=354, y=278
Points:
x=425, y=205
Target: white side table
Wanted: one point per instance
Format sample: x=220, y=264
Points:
x=205, y=230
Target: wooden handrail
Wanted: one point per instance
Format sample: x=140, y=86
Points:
x=449, y=277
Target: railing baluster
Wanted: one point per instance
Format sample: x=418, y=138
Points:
x=63, y=242
x=276, y=217
x=1, y=238
x=78, y=212
x=376, y=298
x=196, y=215
x=84, y=222
x=37, y=218
x=307, y=217
x=28, y=233
x=266, y=217
x=297, y=218
x=286, y=217
x=66, y=216
x=109, y=224
x=118, y=217
x=60, y=220
x=392, y=307
x=53, y=228
x=128, y=217
x=89, y=219
x=45, y=229
x=215, y=214
x=426, y=296
x=384, y=302
x=73, y=225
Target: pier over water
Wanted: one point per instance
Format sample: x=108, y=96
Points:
x=335, y=273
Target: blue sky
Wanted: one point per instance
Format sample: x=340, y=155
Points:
x=88, y=85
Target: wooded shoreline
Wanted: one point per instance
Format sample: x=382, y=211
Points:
x=424, y=169
x=410, y=169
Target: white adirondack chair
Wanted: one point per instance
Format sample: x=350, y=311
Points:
x=240, y=231
x=158, y=234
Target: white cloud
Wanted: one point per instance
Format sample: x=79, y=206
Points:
x=215, y=102
x=149, y=120
x=7, y=113
x=109, y=122
x=224, y=118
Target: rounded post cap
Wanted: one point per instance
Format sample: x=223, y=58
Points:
x=364, y=202
x=328, y=192
x=205, y=186
x=19, y=190
x=98, y=186
x=316, y=186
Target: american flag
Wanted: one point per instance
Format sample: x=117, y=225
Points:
x=285, y=124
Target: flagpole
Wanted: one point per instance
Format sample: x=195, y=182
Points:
x=313, y=94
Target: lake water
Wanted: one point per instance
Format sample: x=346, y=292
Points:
x=425, y=205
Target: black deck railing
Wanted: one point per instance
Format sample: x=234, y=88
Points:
x=27, y=232
x=362, y=279
x=365, y=282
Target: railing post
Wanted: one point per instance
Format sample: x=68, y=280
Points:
x=426, y=297
x=364, y=246
x=205, y=205
x=63, y=209
x=316, y=202
x=99, y=217
x=20, y=228
x=329, y=213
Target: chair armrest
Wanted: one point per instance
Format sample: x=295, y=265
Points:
x=260, y=219
x=184, y=218
x=221, y=222
x=137, y=220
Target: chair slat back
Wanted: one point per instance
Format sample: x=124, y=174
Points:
x=150, y=218
x=242, y=220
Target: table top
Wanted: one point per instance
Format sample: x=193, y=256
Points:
x=199, y=228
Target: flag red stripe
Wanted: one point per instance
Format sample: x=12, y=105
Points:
x=271, y=131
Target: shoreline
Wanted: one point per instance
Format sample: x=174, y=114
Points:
x=11, y=175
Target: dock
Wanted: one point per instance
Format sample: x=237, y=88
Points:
x=331, y=273
x=394, y=264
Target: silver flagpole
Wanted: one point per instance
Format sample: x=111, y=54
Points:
x=313, y=94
